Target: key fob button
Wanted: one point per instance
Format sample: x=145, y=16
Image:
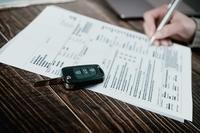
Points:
x=92, y=71
x=78, y=73
x=85, y=72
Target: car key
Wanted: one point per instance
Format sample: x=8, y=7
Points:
x=76, y=76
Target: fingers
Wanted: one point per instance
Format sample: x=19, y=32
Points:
x=149, y=25
x=167, y=31
x=158, y=12
x=162, y=37
x=150, y=19
x=165, y=42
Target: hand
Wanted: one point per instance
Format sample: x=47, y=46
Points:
x=180, y=27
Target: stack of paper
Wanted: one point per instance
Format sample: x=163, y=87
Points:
x=154, y=78
x=23, y=3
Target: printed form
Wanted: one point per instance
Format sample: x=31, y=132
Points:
x=157, y=79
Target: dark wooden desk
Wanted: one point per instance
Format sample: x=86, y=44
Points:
x=27, y=109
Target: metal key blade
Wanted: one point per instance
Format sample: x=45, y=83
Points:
x=49, y=82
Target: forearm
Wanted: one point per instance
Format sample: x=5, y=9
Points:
x=196, y=40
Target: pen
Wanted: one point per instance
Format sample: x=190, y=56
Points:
x=172, y=6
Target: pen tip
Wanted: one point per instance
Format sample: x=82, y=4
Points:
x=152, y=40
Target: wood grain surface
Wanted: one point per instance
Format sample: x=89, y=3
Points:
x=24, y=108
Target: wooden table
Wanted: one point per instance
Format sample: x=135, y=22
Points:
x=25, y=108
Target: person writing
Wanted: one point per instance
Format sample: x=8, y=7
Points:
x=180, y=28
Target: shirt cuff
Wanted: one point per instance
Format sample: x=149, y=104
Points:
x=196, y=40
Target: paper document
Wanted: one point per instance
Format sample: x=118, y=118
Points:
x=23, y=3
x=154, y=78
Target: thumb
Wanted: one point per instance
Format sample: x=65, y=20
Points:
x=168, y=31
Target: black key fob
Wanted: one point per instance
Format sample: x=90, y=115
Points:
x=83, y=75
x=76, y=76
